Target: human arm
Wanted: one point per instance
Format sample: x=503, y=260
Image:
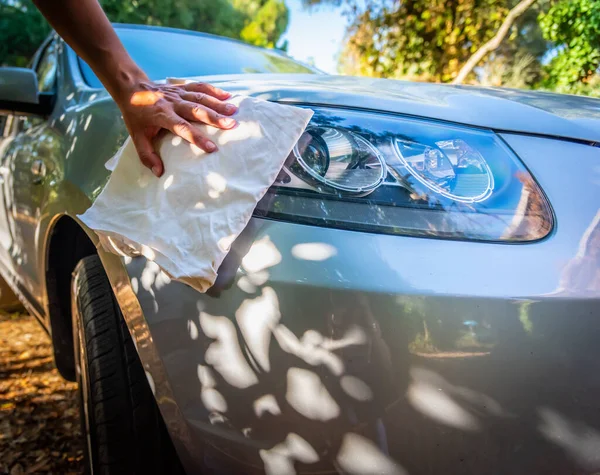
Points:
x=146, y=107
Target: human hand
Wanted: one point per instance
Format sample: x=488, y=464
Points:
x=147, y=108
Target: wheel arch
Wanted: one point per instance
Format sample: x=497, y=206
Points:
x=68, y=241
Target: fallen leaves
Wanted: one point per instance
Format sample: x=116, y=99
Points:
x=39, y=414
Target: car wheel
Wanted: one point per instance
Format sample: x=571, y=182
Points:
x=122, y=427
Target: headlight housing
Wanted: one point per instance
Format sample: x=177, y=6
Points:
x=397, y=175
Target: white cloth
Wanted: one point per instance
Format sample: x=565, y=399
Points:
x=186, y=220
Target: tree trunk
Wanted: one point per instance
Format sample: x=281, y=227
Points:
x=491, y=45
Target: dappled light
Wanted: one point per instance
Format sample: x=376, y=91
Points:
x=280, y=459
x=262, y=388
x=168, y=182
x=577, y=439
x=225, y=354
x=313, y=251
x=307, y=395
x=149, y=276
x=359, y=455
x=146, y=98
x=135, y=285
x=308, y=349
x=162, y=279
x=197, y=151
x=150, y=380
x=256, y=319
x=211, y=398
x=148, y=253
x=258, y=278
x=217, y=184
x=70, y=126
x=316, y=384
x=262, y=254
x=88, y=121
x=253, y=130
x=246, y=285
x=435, y=403
x=356, y=388
x=435, y=397
x=266, y=404
x=225, y=242
x=323, y=330
x=193, y=329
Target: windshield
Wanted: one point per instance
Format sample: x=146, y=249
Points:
x=165, y=53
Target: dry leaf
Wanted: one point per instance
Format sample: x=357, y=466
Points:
x=17, y=470
x=39, y=415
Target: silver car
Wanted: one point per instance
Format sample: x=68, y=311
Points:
x=419, y=291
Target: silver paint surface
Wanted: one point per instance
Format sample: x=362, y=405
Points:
x=405, y=355
x=505, y=382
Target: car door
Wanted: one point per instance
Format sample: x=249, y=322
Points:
x=26, y=161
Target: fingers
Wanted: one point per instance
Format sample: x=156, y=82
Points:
x=147, y=155
x=207, y=89
x=199, y=113
x=183, y=129
x=210, y=102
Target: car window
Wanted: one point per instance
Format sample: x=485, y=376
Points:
x=162, y=53
x=46, y=68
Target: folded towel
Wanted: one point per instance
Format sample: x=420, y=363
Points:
x=186, y=220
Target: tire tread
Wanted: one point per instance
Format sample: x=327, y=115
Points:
x=129, y=432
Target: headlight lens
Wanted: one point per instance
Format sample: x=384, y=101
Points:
x=388, y=174
x=452, y=169
x=334, y=159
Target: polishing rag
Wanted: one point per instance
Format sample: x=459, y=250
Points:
x=187, y=220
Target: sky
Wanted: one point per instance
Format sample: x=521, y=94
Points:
x=317, y=33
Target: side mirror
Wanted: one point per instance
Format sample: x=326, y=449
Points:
x=19, y=92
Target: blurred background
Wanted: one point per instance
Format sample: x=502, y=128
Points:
x=551, y=45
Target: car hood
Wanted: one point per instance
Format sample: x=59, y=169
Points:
x=557, y=115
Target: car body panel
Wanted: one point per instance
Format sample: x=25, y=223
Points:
x=391, y=353
x=539, y=113
x=401, y=312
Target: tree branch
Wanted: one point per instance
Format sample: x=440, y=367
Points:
x=495, y=42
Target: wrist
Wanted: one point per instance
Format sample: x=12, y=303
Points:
x=126, y=82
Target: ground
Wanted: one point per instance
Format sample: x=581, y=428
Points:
x=39, y=418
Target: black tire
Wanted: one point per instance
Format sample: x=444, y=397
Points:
x=122, y=427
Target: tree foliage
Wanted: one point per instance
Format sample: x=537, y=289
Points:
x=431, y=40
x=22, y=29
x=268, y=20
x=260, y=22
x=420, y=39
x=573, y=27
x=493, y=44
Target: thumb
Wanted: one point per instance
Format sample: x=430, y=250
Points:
x=148, y=156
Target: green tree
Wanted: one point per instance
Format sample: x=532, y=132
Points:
x=517, y=61
x=573, y=27
x=22, y=29
x=493, y=44
x=266, y=23
x=431, y=40
x=259, y=22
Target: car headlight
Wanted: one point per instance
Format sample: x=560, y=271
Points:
x=397, y=175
